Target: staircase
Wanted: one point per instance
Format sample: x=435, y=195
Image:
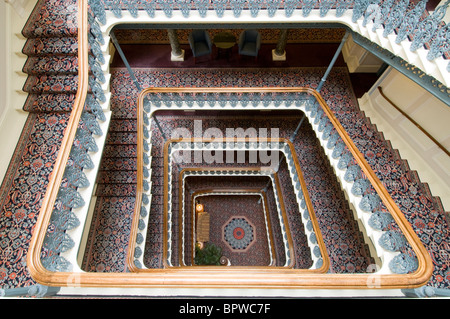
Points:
x=114, y=194
x=412, y=196
x=345, y=243
x=429, y=55
x=52, y=64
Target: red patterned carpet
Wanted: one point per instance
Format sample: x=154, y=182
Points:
x=255, y=248
x=50, y=96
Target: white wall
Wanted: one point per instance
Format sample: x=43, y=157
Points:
x=3, y=59
x=13, y=17
x=422, y=154
x=358, y=59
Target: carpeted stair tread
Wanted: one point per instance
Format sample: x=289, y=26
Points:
x=51, y=46
x=123, y=125
x=155, y=217
x=351, y=264
x=121, y=138
x=157, y=181
x=157, y=199
x=51, y=84
x=116, y=190
x=157, y=161
x=344, y=248
x=117, y=150
x=157, y=174
x=49, y=102
x=118, y=163
x=124, y=110
x=48, y=65
x=157, y=188
x=45, y=21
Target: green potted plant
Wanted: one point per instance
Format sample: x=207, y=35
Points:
x=209, y=254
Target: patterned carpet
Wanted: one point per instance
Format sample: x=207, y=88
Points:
x=52, y=31
x=412, y=196
x=258, y=183
x=50, y=84
x=222, y=209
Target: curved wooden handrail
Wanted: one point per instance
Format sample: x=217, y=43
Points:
x=424, y=131
x=34, y=264
x=415, y=279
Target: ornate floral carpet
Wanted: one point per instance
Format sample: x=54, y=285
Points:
x=238, y=228
x=413, y=197
x=50, y=83
x=422, y=210
x=52, y=31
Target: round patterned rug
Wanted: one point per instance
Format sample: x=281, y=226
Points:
x=238, y=233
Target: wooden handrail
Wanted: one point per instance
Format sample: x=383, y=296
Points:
x=326, y=264
x=37, y=271
x=201, y=277
x=308, y=202
x=414, y=122
x=322, y=247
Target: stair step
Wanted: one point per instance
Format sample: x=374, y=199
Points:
x=350, y=264
x=157, y=161
x=117, y=177
x=153, y=259
x=121, y=138
x=51, y=46
x=123, y=125
x=48, y=65
x=155, y=212
x=124, y=109
x=49, y=102
x=51, y=84
x=157, y=189
x=118, y=150
x=116, y=190
x=338, y=247
x=157, y=174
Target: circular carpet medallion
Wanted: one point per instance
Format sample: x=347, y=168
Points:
x=238, y=233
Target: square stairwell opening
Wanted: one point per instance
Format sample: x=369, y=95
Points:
x=181, y=165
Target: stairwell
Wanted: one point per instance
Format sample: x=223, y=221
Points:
x=51, y=85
